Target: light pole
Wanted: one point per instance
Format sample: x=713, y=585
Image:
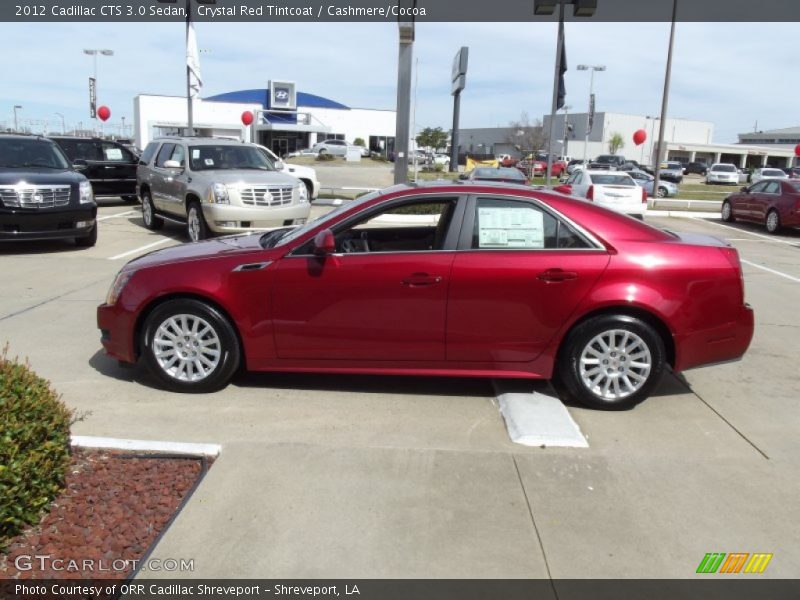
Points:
x=405, y=27
x=16, y=123
x=665, y=98
x=565, y=144
x=589, y=116
x=93, y=52
x=63, y=125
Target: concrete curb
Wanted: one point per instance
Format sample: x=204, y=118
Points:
x=82, y=441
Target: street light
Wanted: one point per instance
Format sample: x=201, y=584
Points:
x=589, y=116
x=580, y=8
x=93, y=52
x=405, y=25
x=16, y=126
x=63, y=125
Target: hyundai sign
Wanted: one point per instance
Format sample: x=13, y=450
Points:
x=282, y=95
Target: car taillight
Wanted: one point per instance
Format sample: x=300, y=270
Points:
x=590, y=193
x=733, y=258
x=644, y=196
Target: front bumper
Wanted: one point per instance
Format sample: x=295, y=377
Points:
x=230, y=218
x=47, y=224
x=116, y=331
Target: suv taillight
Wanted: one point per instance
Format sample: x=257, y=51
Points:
x=590, y=193
x=644, y=196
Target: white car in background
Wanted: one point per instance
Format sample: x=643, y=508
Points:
x=441, y=159
x=723, y=173
x=307, y=175
x=767, y=173
x=610, y=189
x=333, y=147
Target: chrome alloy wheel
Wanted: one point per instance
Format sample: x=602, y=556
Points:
x=615, y=364
x=773, y=221
x=147, y=212
x=194, y=224
x=187, y=347
x=726, y=211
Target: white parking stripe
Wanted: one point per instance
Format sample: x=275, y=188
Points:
x=137, y=250
x=123, y=214
x=773, y=271
x=766, y=237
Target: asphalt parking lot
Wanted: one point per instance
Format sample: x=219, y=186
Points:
x=372, y=477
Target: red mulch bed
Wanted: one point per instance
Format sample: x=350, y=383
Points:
x=110, y=513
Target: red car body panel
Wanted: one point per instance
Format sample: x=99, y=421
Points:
x=755, y=207
x=481, y=313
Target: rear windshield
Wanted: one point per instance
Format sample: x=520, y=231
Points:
x=612, y=179
x=674, y=165
x=724, y=168
x=773, y=173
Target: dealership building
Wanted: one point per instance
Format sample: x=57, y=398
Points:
x=285, y=119
x=686, y=140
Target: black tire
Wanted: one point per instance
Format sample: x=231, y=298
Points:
x=773, y=222
x=130, y=199
x=89, y=240
x=151, y=221
x=309, y=189
x=175, y=377
x=726, y=212
x=196, y=226
x=570, y=375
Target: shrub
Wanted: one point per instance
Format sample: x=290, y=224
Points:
x=359, y=142
x=325, y=156
x=378, y=157
x=34, y=446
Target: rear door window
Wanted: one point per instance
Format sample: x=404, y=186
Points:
x=148, y=153
x=114, y=153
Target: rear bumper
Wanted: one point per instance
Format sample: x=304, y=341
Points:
x=116, y=332
x=47, y=224
x=723, y=343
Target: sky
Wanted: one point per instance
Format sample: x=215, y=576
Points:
x=732, y=74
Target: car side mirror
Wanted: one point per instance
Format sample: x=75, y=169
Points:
x=463, y=176
x=563, y=189
x=172, y=164
x=324, y=243
x=79, y=164
x=279, y=165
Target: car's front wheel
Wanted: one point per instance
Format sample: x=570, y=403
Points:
x=610, y=362
x=196, y=225
x=189, y=346
x=662, y=192
x=151, y=221
x=727, y=212
x=773, y=223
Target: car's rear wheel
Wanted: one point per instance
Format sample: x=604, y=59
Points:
x=189, y=346
x=610, y=362
x=773, y=222
x=662, y=192
x=196, y=225
x=88, y=241
x=151, y=221
x=727, y=212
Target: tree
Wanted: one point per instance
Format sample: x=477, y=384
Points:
x=526, y=135
x=359, y=142
x=435, y=138
x=615, y=142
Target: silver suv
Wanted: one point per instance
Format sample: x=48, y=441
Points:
x=216, y=186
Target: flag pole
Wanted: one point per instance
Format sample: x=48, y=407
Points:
x=190, y=126
x=556, y=86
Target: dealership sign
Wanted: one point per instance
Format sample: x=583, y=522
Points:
x=459, y=75
x=92, y=98
x=282, y=95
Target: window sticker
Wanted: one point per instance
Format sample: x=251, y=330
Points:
x=113, y=154
x=209, y=162
x=507, y=227
x=195, y=153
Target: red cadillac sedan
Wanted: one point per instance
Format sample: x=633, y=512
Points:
x=454, y=279
x=773, y=203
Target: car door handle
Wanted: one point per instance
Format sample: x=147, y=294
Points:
x=557, y=275
x=421, y=279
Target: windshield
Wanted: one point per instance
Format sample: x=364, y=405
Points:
x=610, y=179
x=21, y=154
x=228, y=156
x=270, y=239
x=773, y=173
x=724, y=168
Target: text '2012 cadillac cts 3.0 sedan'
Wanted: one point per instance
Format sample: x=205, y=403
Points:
x=475, y=280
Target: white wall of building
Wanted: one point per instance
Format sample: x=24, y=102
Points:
x=151, y=113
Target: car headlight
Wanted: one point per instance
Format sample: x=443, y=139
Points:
x=116, y=288
x=219, y=194
x=302, y=193
x=85, y=192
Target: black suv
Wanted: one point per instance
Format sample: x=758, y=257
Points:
x=41, y=197
x=110, y=166
x=698, y=168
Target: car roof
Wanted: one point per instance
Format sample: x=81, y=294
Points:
x=23, y=136
x=201, y=140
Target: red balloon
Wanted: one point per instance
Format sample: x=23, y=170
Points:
x=103, y=113
x=797, y=150
x=639, y=136
x=247, y=117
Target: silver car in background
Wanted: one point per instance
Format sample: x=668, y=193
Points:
x=333, y=147
x=216, y=186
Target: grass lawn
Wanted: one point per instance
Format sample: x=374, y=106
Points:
x=337, y=162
